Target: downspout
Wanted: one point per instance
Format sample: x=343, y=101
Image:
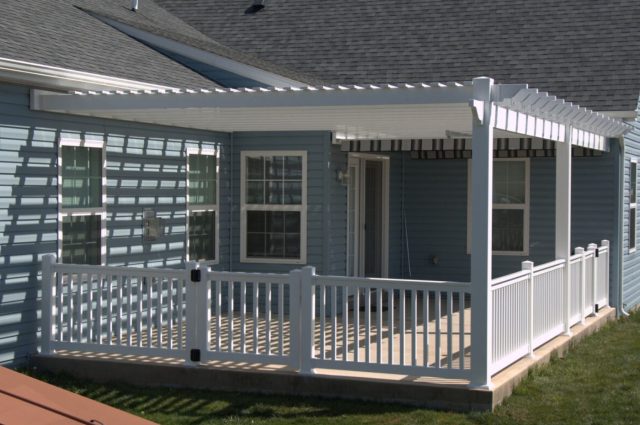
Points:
x=619, y=271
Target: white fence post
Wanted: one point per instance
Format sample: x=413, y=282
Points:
x=192, y=313
x=307, y=315
x=583, y=281
x=203, y=310
x=528, y=265
x=47, y=300
x=594, y=281
x=605, y=243
x=295, y=317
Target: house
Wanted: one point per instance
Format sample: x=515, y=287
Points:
x=269, y=136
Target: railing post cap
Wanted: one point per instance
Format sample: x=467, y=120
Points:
x=527, y=265
x=592, y=246
x=49, y=258
x=604, y=242
x=579, y=250
x=309, y=270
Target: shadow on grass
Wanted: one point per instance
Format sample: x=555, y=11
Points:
x=191, y=406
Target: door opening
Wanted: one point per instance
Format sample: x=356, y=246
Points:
x=368, y=212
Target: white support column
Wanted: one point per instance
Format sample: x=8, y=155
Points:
x=563, y=220
x=481, y=228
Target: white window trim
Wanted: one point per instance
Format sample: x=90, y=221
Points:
x=302, y=208
x=204, y=207
x=78, y=212
x=633, y=206
x=526, y=207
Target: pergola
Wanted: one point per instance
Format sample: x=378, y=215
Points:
x=382, y=112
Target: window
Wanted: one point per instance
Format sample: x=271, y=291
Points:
x=633, y=182
x=202, y=205
x=510, y=207
x=81, y=202
x=273, y=207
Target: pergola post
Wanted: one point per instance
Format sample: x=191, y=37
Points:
x=481, y=231
x=563, y=220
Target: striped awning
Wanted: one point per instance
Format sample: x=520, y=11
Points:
x=461, y=148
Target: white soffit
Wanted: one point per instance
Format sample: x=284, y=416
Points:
x=399, y=111
x=352, y=111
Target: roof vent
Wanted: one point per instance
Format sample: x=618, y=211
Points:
x=256, y=7
x=134, y=5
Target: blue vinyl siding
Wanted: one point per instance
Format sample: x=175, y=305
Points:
x=435, y=214
x=145, y=169
x=631, y=261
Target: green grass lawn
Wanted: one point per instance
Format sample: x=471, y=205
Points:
x=598, y=382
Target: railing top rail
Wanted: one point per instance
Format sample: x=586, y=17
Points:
x=509, y=277
x=115, y=270
x=550, y=266
x=391, y=283
x=247, y=277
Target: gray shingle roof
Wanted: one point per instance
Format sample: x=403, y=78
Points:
x=59, y=33
x=586, y=51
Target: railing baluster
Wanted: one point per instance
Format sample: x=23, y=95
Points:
x=401, y=323
x=230, y=306
x=449, y=329
x=390, y=326
x=140, y=300
x=414, y=328
x=149, y=282
x=159, y=308
x=89, y=308
x=243, y=316
x=281, y=319
x=438, y=353
x=356, y=325
x=379, y=327
x=367, y=324
x=109, y=310
x=79, y=308
x=425, y=327
x=70, y=308
x=99, y=288
x=345, y=323
x=323, y=320
x=119, y=315
x=129, y=301
x=59, y=305
x=170, y=313
x=218, y=315
x=267, y=310
x=461, y=307
x=334, y=322
x=180, y=300
x=256, y=314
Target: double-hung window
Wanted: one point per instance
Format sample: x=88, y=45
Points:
x=81, y=202
x=510, y=207
x=273, y=207
x=633, y=206
x=202, y=205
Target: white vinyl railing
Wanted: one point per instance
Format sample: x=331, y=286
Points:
x=529, y=306
x=383, y=325
x=114, y=309
x=300, y=320
x=305, y=321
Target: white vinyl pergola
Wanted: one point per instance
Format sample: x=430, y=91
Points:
x=403, y=111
